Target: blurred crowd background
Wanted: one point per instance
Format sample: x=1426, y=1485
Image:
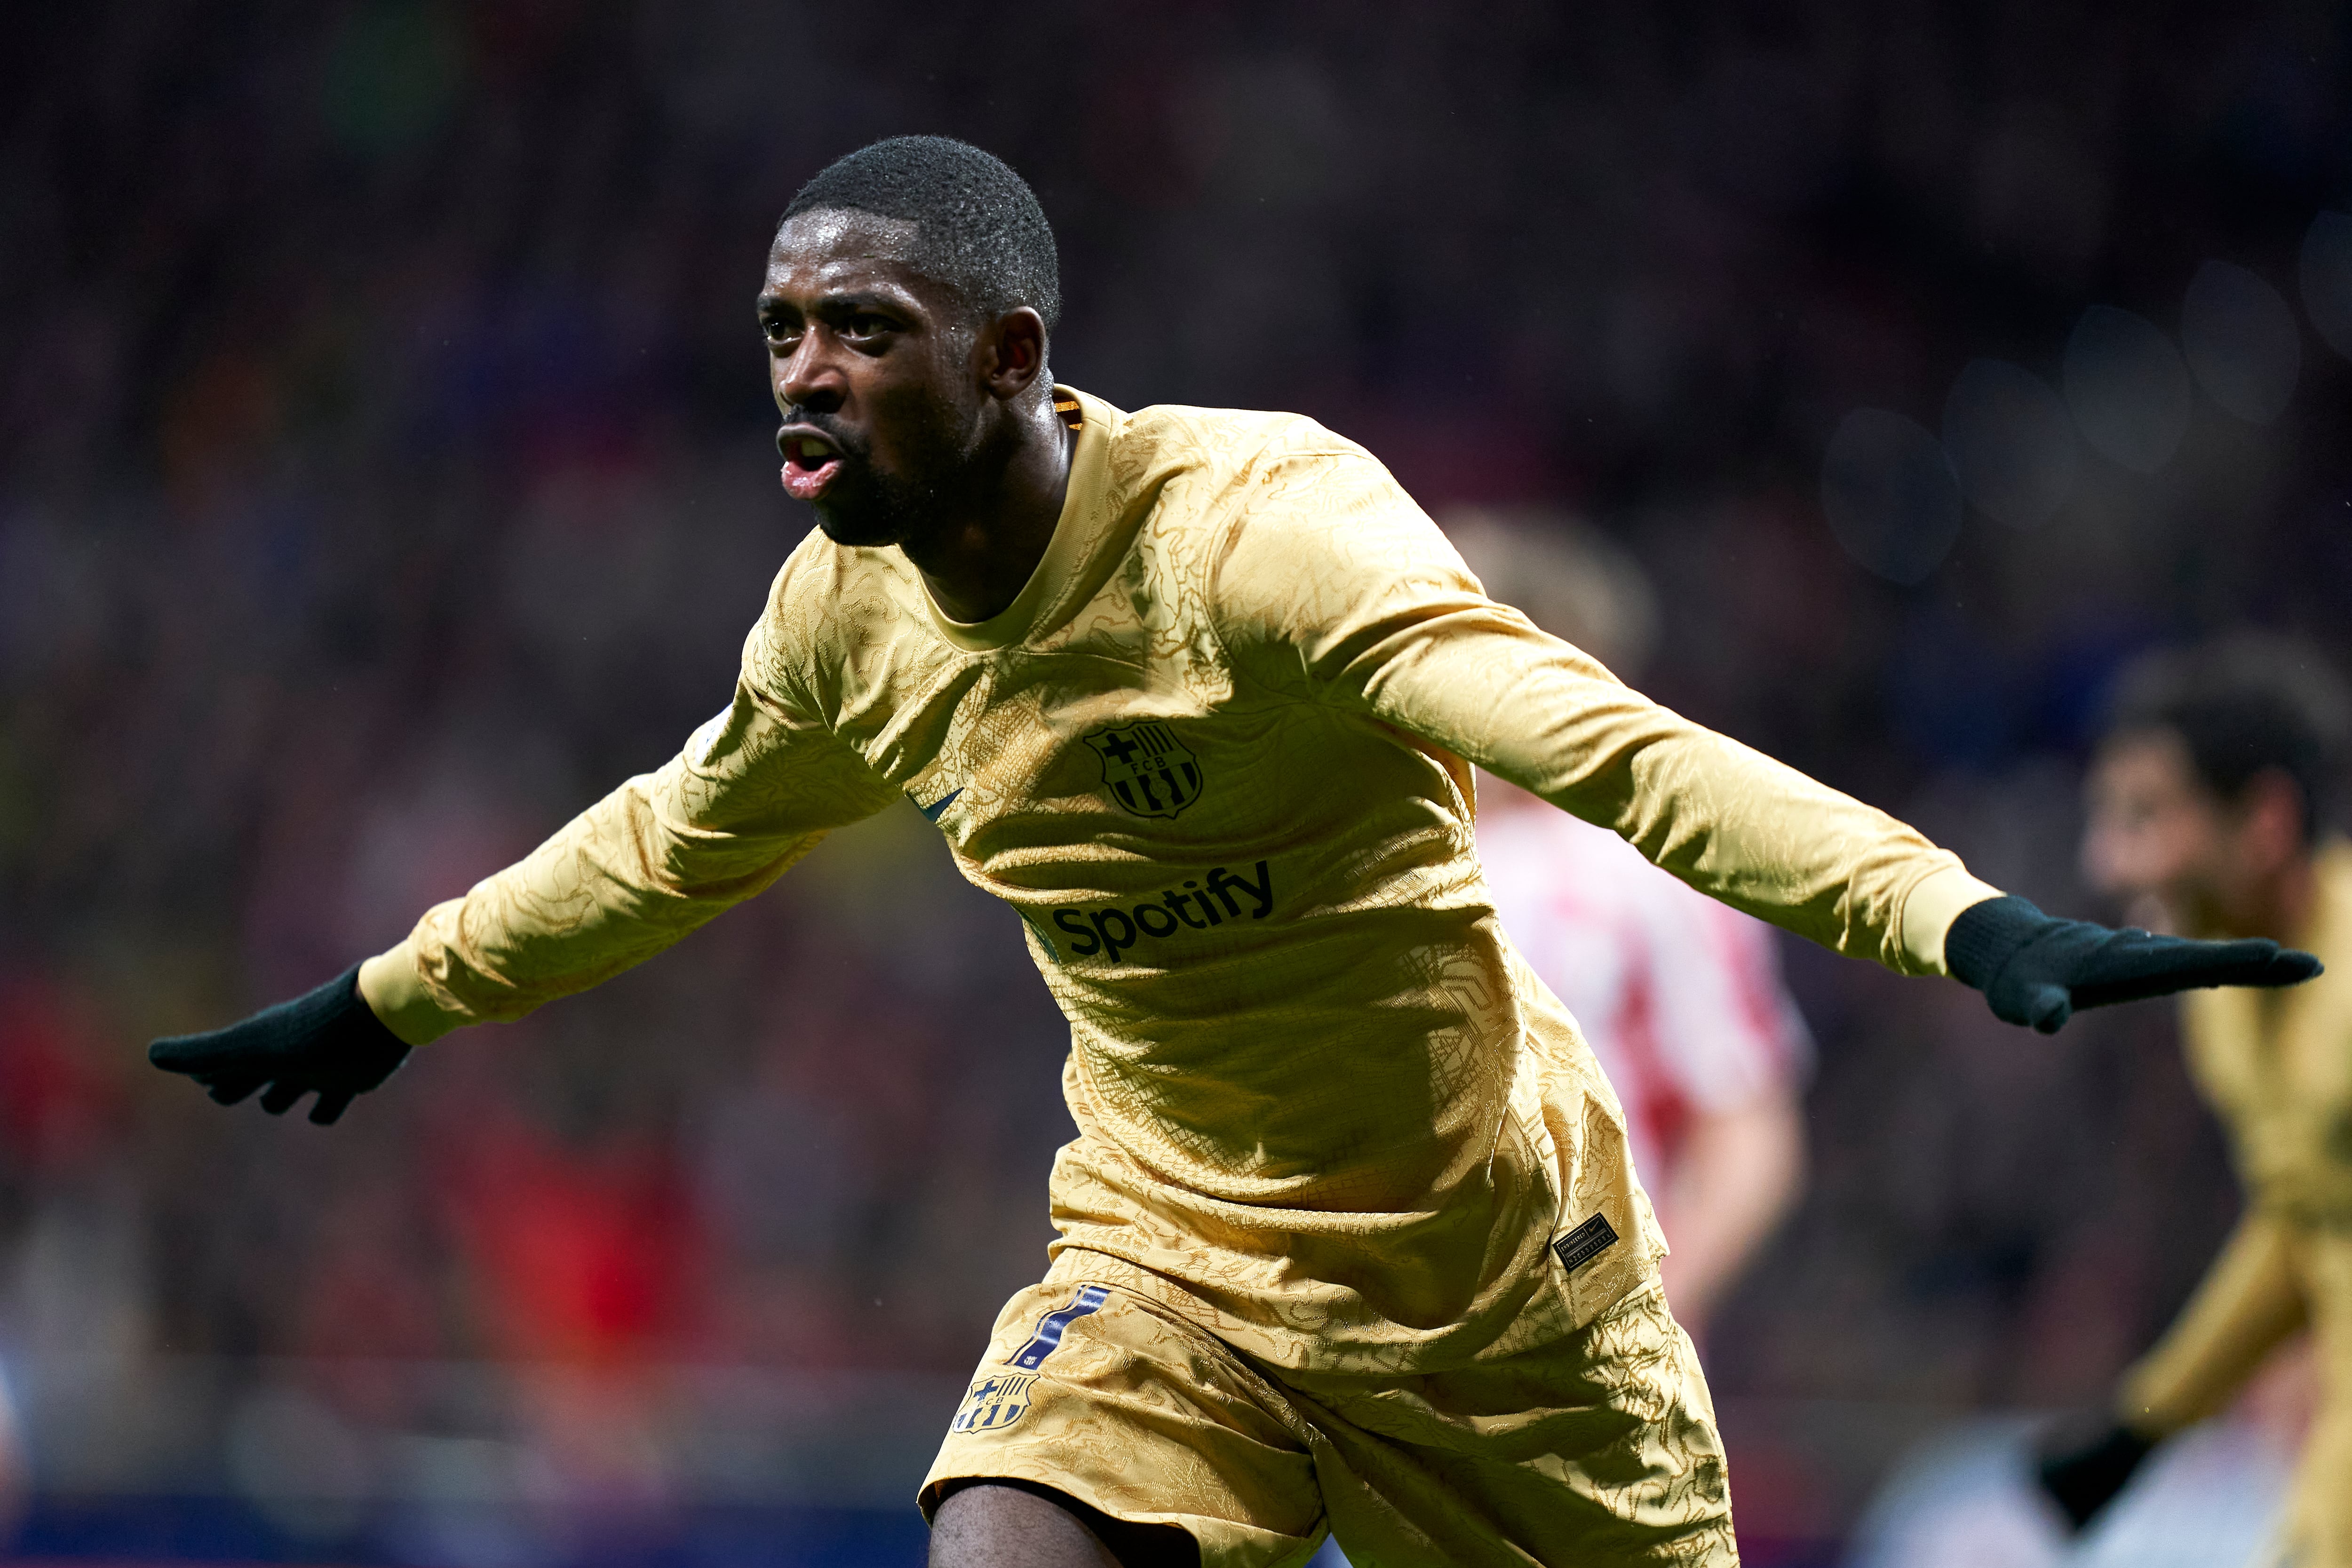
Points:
x=384, y=472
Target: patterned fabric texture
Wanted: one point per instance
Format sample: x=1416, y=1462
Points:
x=1216, y=755
x=1597, y=1445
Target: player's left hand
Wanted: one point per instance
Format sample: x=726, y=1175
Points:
x=326, y=1041
x=2037, y=970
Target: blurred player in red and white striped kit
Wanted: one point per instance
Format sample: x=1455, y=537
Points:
x=1679, y=996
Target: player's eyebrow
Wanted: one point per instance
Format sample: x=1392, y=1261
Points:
x=850, y=303
x=831, y=304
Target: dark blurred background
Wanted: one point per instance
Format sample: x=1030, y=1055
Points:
x=384, y=472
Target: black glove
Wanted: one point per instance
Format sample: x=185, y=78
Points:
x=2036, y=970
x=327, y=1040
x=2083, y=1476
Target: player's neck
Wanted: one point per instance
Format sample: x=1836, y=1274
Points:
x=2279, y=906
x=978, y=565
x=2295, y=897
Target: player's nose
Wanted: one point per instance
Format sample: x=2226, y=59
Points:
x=809, y=379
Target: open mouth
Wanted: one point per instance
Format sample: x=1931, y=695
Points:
x=811, y=463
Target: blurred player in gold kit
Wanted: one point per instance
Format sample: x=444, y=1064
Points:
x=2210, y=799
x=1349, y=1238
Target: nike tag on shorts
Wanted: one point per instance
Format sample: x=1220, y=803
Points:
x=1585, y=1243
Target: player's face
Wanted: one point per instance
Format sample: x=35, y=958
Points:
x=871, y=365
x=2156, y=835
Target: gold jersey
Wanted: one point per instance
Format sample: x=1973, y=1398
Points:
x=1217, y=754
x=2277, y=1067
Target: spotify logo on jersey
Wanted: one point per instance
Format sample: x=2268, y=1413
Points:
x=1210, y=900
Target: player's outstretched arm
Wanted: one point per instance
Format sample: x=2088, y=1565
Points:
x=753, y=790
x=325, y=1042
x=2038, y=971
x=1337, y=583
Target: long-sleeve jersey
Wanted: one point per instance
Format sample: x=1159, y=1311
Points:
x=1217, y=754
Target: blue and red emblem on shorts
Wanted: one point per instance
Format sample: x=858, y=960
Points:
x=1050, y=1327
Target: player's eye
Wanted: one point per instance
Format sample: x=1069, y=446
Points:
x=867, y=324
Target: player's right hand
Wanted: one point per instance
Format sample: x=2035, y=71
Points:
x=2084, y=1475
x=2037, y=970
x=325, y=1041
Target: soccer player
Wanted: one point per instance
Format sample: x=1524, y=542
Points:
x=1679, y=996
x=2209, y=797
x=1347, y=1235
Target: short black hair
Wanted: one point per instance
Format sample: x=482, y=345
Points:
x=978, y=226
x=2245, y=706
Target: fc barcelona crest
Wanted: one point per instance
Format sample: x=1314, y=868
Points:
x=1146, y=769
x=994, y=1402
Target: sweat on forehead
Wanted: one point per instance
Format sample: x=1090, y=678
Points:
x=836, y=253
x=846, y=232
x=825, y=248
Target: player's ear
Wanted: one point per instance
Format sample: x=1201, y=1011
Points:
x=2269, y=816
x=1013, y=352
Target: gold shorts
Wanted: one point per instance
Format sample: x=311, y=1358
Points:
x=1596, y=1448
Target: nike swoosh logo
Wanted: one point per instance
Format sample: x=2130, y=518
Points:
x=932, y=812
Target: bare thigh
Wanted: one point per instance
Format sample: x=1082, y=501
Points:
x=1020, y=1524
